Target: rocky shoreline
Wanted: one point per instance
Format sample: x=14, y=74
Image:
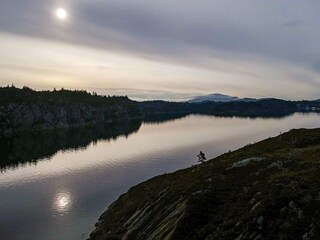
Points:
x=267, y=190
x=49, y=116
x=28, y=110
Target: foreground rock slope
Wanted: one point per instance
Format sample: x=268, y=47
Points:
x=267, y=190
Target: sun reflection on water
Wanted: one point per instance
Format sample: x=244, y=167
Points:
x=62, y=202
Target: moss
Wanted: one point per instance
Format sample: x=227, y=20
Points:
x=259, y=199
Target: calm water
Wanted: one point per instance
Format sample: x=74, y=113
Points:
x=55, y=186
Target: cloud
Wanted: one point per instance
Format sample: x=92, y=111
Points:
x=144, y=94
x=293, y=23
x=231, y=40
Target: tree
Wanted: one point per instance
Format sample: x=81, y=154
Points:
x=201, y=157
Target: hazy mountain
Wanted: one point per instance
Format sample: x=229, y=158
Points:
x=217, y=97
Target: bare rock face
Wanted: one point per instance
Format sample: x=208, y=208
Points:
x=46, y=115
x=234, y=196
x=26, y=109
x=4, y=124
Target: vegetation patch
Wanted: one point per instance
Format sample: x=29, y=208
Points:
x=267, y=190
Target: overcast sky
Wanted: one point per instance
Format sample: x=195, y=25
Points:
x=161, y=49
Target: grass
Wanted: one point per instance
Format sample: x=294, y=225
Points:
x=277, y=198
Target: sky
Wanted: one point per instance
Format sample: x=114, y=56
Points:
x=160, y=49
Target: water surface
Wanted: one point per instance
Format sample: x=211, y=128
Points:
x=56, y=185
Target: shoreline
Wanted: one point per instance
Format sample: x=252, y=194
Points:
x=176, y=205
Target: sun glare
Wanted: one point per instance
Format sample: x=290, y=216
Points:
x=62, y=202
x=61, y=14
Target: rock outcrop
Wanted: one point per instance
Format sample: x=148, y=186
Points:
x=38, y=111
x=267, y=190
x=46, y=116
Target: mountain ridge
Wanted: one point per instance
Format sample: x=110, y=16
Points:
x=218, y=97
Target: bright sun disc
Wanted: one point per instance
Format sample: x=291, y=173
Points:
x=61, y=13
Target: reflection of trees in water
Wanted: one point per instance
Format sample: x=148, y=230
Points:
x=157, y=119
x=30, y=147
x=253, y=116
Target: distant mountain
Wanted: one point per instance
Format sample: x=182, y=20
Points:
x=217, y=97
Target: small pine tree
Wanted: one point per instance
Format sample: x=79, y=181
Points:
x=201, y=157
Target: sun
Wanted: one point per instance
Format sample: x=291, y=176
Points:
x=61, y=13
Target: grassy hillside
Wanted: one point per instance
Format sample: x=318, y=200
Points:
x=267, y=190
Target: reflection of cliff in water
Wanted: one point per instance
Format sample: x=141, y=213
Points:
x=253, y=116
x=168, y=117
x=30, y=147
x=162, y=118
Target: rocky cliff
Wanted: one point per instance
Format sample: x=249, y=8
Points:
x=267, y=190
x=25, y=109
x=49, y=115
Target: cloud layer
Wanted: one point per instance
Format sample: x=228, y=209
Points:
x=252, y=48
